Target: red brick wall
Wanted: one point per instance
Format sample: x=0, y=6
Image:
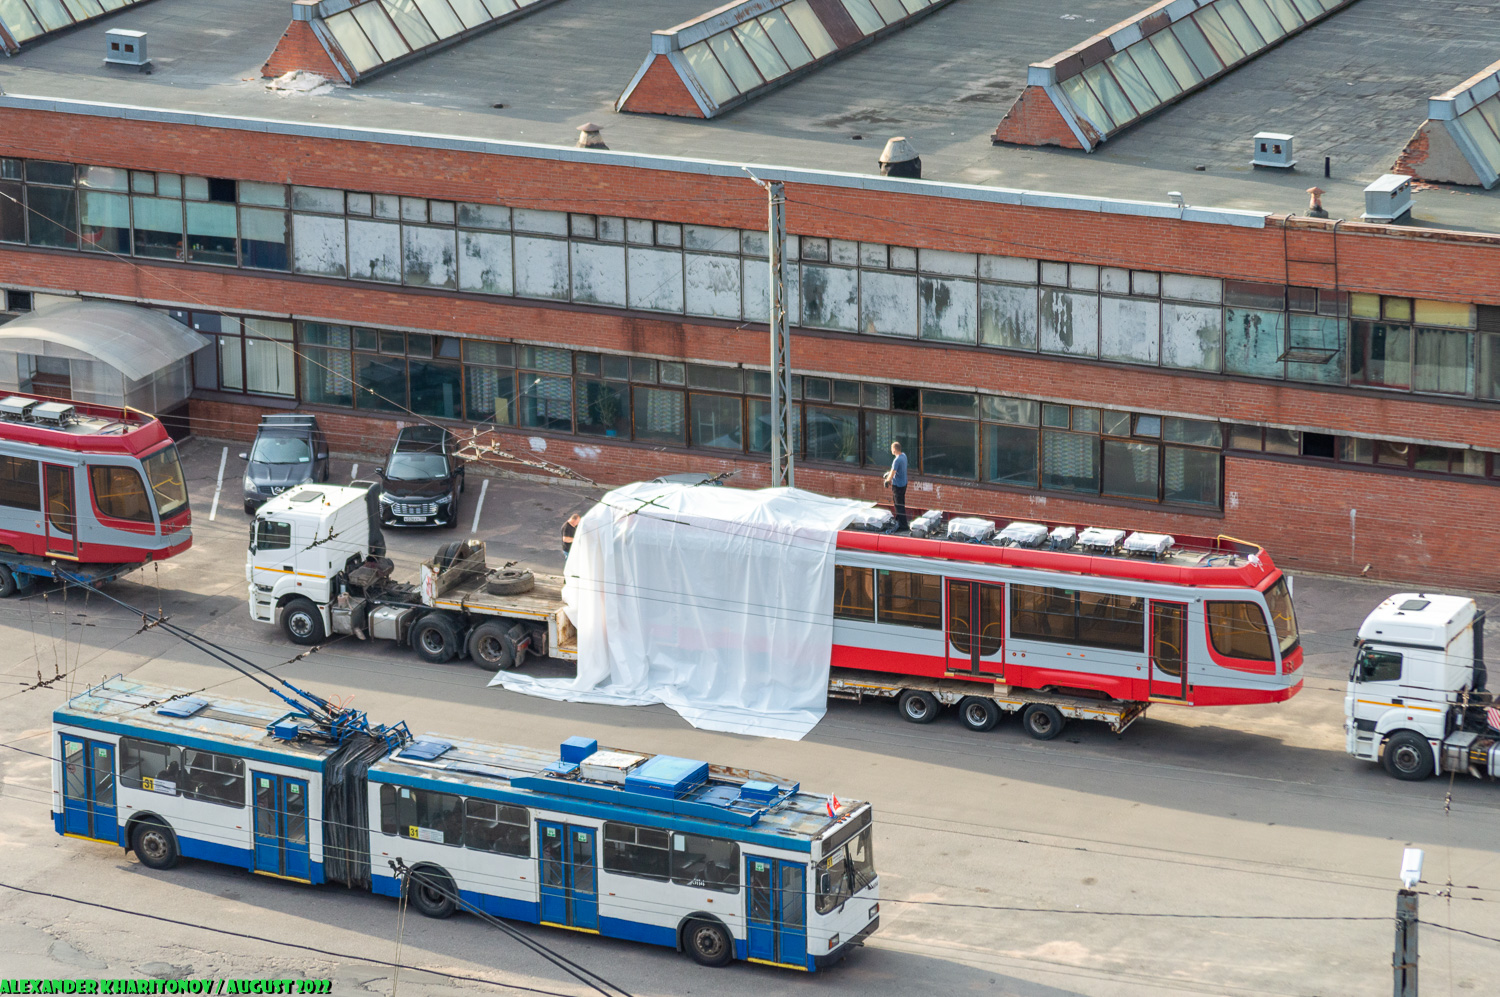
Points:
x=661, y=91
x=1034, y=120
x=299, y=48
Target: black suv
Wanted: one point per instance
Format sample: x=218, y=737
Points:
x=288, y=450
x=422, y=479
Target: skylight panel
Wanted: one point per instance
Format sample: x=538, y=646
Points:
x=1219, y=36
x=381, y=32
x=410, y=22
x=27, y=20
x=1464, y=120
x=440, y=17
x=1266, y=23
x=351, y=38
x=1482, y=134
x=734, y=53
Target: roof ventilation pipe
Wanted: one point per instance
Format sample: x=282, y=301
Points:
x=589, y=136
x=1315, y=207
x=900, y=159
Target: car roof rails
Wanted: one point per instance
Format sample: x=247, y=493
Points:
x=290, y=421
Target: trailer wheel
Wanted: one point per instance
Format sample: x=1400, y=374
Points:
x=435, y=638
x=1407, y=756
x=1042, y=722
x=489, y=649
x=302, y=622
x=978, y=713
x=7, y=582
x=918, y=707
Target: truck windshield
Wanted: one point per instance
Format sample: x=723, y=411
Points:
x=164, y=471
x=281, y=450
x=845, y=871
x=1283, y=616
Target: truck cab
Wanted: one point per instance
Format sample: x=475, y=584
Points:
x=1417, y=683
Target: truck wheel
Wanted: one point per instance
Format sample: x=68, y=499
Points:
x=302, y=622
x=7, y=582
x=978, y=713
x=1042, y=722
x=489, y=649
x=435, y=638
x=1408, y=756
x=509, y=581
x=918, y=707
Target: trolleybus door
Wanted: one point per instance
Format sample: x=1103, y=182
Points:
x=60, y=521
x=1169, y=674
x=569, y=876
x=281, y=827
x=975, y=627
x=89, y=790
x=776, y=921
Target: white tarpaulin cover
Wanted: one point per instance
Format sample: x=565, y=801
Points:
x=714, y=601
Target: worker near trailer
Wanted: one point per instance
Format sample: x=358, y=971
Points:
x=569, y=530
x=896, y=478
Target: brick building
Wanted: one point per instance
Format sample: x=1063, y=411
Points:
x=1093, y=354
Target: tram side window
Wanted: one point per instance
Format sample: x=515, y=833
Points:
x=708, y=863
x=119, y=492
x=1238, y=630
x=193, y=774
x=854, y=593
x=20, y=484
x=421, y=814
x=1070, y=616
x=1108, y=619
x=1041, y=613
x=636, y=851
x=912, y=600
x=495, y=827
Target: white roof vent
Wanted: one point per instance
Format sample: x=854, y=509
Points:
x=125, y=48
x=1388, y=199
x=1273, y=149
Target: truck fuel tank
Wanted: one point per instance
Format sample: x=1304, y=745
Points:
x=391, y=622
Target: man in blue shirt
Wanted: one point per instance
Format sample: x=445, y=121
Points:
x=896, y=478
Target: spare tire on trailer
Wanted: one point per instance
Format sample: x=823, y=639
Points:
x=509, y=581
x=446, y=553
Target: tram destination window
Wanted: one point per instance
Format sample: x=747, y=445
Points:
x=20, y=484
x=854, y=593
x=495, y=827
x=1238, y=630
x=191, y=773
x=421, y=814
x=707, y=863
x=637, y=851
x=910, y=599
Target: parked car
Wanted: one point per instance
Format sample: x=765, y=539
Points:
x=422, y=479
x=288, y=450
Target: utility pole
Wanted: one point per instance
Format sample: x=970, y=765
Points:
x=783, y=473
x=1404, y=954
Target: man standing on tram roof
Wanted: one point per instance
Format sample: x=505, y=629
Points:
x=896, y=478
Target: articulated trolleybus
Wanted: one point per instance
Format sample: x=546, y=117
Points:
x=721, y=863
x=86, y=492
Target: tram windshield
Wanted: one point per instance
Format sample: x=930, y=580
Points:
x=168, y=487
x=1283, y=616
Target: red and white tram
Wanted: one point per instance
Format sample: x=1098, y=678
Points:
x=1205, y=622
x=88, y=485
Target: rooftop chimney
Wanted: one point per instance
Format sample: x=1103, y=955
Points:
x=1315, y=207
x=900, y=159
x=589, y=137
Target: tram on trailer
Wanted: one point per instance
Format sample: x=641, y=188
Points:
x=721, y=863
x=85, y=485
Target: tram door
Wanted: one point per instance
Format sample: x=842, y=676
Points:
x=976, y=627
x=89, y=790
x=776, y=922
x=1169, y=674
x=569, y=876
x=281, y=827
x=61, y=511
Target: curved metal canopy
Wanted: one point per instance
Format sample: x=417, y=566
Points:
x=138, y=342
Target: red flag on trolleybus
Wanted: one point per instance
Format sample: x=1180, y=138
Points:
x=833, y=806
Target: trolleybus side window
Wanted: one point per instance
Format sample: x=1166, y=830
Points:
x=910, y=599
x=1069, y=616
x=420, y=814
x=709, y=863
x=20, y=483
x=1238, y=630
x=495, y=827
x=854, y=593
x=165, y=472
x=120, y=492
x=636, y=851
x=193, y=774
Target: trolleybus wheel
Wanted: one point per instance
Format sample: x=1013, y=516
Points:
x=489, y=649
x=1042, y=722
x=978, y=713
x=435, y=638
x=155, y=845
x=918, y=707
x=7, y=582
x=431, y=892
x=302, y=622
x=1408, y=756
x=708, y=943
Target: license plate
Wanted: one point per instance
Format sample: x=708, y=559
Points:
x=413, y=519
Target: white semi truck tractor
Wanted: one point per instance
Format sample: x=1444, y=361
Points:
x=1417, y=700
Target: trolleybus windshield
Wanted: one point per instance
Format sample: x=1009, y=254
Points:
x=164, y=472
x=1283, y=616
